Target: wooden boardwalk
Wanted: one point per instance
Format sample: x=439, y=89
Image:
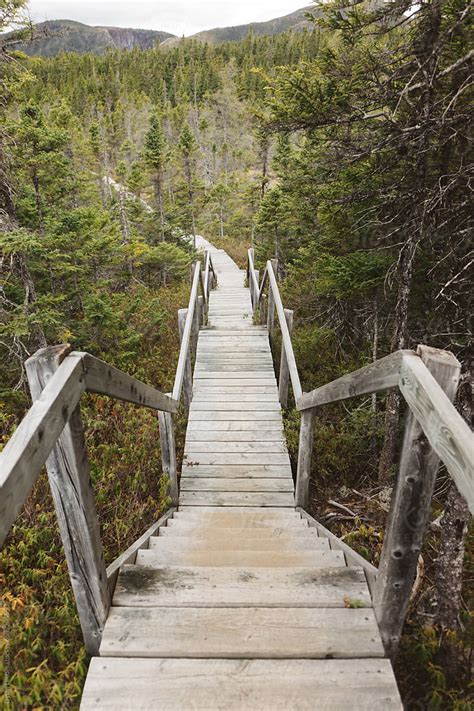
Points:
x=238, y=603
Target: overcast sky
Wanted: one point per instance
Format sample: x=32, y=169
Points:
x=176, y=16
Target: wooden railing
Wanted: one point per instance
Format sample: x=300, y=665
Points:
x=52, y=432
x=434, y=431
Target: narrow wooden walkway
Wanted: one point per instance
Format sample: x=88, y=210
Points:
x=238, y=603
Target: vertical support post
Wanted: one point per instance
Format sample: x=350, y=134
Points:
x=168, y=454
x=69, y=479
x=196, y=324
x=409, y=510
x=188, y=373
x=202, y=312
x=284, y=371
x=305, y=452
x=262, y=309
x=255, y=291
x=271, y=302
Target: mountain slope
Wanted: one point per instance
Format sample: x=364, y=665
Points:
x=295, y=21
x=55, y=36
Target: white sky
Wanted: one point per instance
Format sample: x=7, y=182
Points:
x=176, y=16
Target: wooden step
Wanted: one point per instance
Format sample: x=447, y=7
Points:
x=138, y=586
x=207, y=541
x=234, y=685
x=195, y=530
x=232, y=518
x=235, y=498
x=201, y=483
x=260, y=436
x=215, y=447
x=235, y=633
x=235, y=471
x=185, y=556
x=234, y=458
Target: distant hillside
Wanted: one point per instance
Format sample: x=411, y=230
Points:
x=55, y=36
x=294, y=21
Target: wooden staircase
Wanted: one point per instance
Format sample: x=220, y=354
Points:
x=237, y=603
x=237, y=598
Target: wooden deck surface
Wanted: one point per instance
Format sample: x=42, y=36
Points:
x=237, y=603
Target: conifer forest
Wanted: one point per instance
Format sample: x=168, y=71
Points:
x=344, y=151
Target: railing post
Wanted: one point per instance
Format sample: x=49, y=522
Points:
x=255, y=290
x=262, y=309
x=409, y=510
x=271, y=302
x=305, y=451
x=284, y=370
x=168, y=454
x=188, y=373
x=197, y=320
x=69, y=479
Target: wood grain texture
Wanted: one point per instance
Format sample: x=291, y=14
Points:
x=445, y=429
x=272, y=633
x=70, y=483
x=27, y=450
x=228, y=685
x=381, y=375
x=105, y=379
x=200, y=483
x=239, y=587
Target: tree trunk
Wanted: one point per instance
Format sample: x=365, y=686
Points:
x=392, y=407
x=449, y=566
x=158, y=182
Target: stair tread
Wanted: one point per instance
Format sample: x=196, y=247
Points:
x=230, y=633
x=211, y=586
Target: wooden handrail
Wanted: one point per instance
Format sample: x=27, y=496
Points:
x=52, y=433
x=185, y=343
x=288, y=356
x=449, y=435
x=30, y=445
x=381, y=375
x=428, y=381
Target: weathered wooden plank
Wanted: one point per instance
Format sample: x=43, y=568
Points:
x=381, y=375
x=71, y=488
x=207, y=542
x=231, y=471
x=27, y=450
x=235, y=415
x=234, y=498
x=266, y=380
x=236, y=458
x=105, y=379
x=138, y=586
x=410, y=507
x=445, y=429
x=200, y=483
x=264, y=436
x=285, y=334
x=230, y=633
x=164, y=556
x=197, y=529
x=168, y=454
x=186, y=340
x=232, y=390
x=242, y=515
x=305, y=452
x=209, y=396
x=202, y=405
x=188, y=373
x=283, y=380
x=234, y=375
x=233, y=426
x=224, y=685
x=215, y=447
